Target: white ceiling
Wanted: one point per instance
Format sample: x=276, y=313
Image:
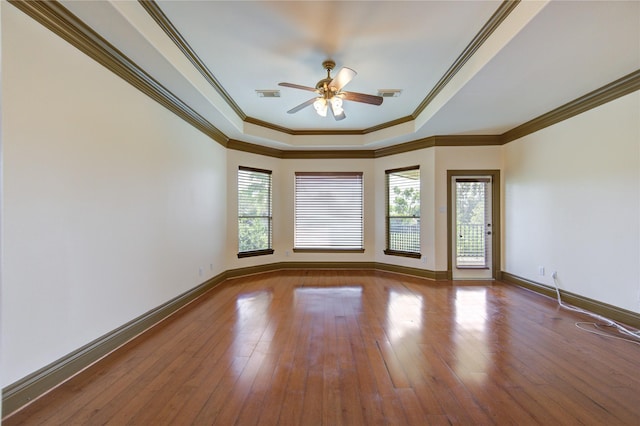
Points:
x=543, y=55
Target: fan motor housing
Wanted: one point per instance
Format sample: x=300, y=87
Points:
x=324, y=83
x=328, y=65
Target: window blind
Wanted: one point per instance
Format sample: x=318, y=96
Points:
x=328, y=211
x=254, y=212
x=403, y=211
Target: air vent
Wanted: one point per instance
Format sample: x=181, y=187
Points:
x=268, y=93
x=389, y=93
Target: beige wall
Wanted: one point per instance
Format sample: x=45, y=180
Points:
x=425, y=159
x=433, y=162
x=456, y=158
x=572, y=204
x=283, y=209
x=111, y=204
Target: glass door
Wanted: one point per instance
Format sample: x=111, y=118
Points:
x=472, y=228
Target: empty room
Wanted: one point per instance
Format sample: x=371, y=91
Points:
x=320, y=212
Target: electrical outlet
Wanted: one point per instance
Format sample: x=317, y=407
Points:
x=541, y=270
x=200, y=271
x=424, y=259
x=286, y=253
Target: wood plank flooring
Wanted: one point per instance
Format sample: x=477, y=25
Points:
x=356, y=348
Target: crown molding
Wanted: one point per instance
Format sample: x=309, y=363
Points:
x=254, y=148
x=267, y=125
x=388, y=124
x=485, y=32
x=299, y=154
x=328, y=154
x=431, y=141
x=54, y=16
x=616, y=89
x=444, y=140
x=286, y=130
x=65, y=24
x=610, y=92
x=317, y=132
x=167, y=26
x=505, y=8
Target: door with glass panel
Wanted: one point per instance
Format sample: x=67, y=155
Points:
x=472, y=233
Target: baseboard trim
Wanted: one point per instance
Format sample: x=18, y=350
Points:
x=280, y=266
x=414, y=272
x=378, y=266
x=608, y=311
x=20, y=393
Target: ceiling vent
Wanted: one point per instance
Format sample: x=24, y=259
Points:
x=268, y=93
x=389, y=93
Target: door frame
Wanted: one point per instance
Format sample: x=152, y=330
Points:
x=495, y=218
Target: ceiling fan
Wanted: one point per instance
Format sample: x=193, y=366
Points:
x=330, y=94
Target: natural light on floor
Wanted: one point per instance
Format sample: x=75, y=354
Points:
x=471, y=337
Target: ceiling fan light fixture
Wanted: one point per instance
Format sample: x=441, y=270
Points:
x=321, y=106
x=330, y=94
x=336, y=105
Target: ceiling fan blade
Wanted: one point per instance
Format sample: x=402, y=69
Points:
x=341, y=79
x=338, y=117
x=362, y=97
x=297, y=86
x=301, y=106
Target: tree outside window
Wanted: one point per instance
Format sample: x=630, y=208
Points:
x=403, y=212
x=254, y=212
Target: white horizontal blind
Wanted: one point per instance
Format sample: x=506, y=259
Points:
x=403, y=210
x=254, y=210
x=328, y=211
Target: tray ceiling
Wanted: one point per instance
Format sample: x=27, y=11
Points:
x=468, y=67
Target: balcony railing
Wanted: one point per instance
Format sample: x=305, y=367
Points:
x=471, y=247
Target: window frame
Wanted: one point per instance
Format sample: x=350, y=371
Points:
x=269, y=250
x=393, y=252
x=327, y=249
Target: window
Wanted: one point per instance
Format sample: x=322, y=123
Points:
x=403, y=212
x=328, y=212
x=254, y=212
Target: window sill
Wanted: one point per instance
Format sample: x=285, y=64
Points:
x=254, y=253
x=403, y=254
x=326, y=250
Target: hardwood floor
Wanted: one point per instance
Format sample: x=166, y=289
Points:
x=356, y=348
